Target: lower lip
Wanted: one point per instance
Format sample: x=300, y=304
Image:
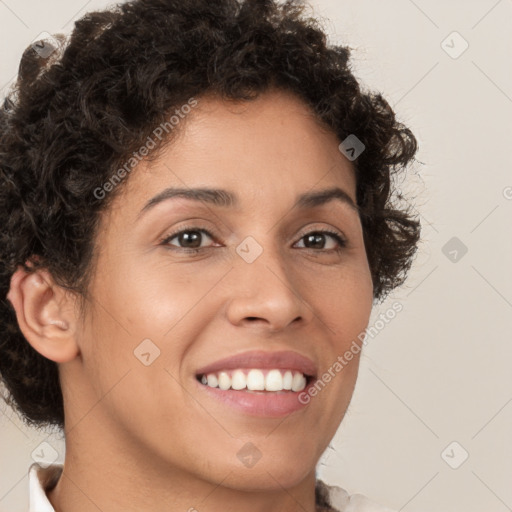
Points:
x=270, y=404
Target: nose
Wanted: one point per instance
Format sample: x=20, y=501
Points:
x=266, y=292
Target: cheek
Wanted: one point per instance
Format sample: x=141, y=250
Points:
x=343, y=300
x=133, y=372
x=344, y=306
x=153, y=317
x=159, y=295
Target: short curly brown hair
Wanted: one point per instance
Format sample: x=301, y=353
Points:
x=76, y=114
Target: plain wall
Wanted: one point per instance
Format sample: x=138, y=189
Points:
x=439, y=372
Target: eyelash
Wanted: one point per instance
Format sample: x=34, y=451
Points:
x=165, y=241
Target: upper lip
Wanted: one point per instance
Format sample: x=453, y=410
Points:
x=285, y=359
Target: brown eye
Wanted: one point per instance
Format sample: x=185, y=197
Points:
x=189, y=238
x=316, y=240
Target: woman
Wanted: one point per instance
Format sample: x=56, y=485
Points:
x=196, y=222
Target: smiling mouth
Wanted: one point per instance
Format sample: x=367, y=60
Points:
x=256, y=380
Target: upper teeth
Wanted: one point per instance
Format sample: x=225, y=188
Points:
x=256, y=380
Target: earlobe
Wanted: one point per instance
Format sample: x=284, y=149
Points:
x=45, y=314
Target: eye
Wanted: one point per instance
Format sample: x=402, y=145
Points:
x=316, y=238
x=189, y=238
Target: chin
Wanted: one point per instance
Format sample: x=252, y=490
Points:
x=270, y=475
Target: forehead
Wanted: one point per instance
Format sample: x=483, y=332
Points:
x=270, y=148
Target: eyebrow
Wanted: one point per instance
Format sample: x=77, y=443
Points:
x=227, y=199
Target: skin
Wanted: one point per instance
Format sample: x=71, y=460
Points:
x=147, y=437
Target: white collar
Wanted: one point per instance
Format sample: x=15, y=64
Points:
x=42, y=478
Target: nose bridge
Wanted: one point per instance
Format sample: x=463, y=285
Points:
x=265, y=287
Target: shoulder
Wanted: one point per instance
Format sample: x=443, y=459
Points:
x=342, y=501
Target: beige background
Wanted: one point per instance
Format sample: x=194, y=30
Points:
x=439, y=372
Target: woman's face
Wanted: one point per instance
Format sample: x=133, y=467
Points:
x=257, y=283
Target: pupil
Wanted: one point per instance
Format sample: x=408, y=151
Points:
x=315, y=238
x=195, y=237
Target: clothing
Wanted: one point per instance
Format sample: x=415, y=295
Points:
x=329, y=498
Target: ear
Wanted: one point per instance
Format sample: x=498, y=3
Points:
x=45, y=314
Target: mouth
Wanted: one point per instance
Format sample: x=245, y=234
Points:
x=259, y=384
